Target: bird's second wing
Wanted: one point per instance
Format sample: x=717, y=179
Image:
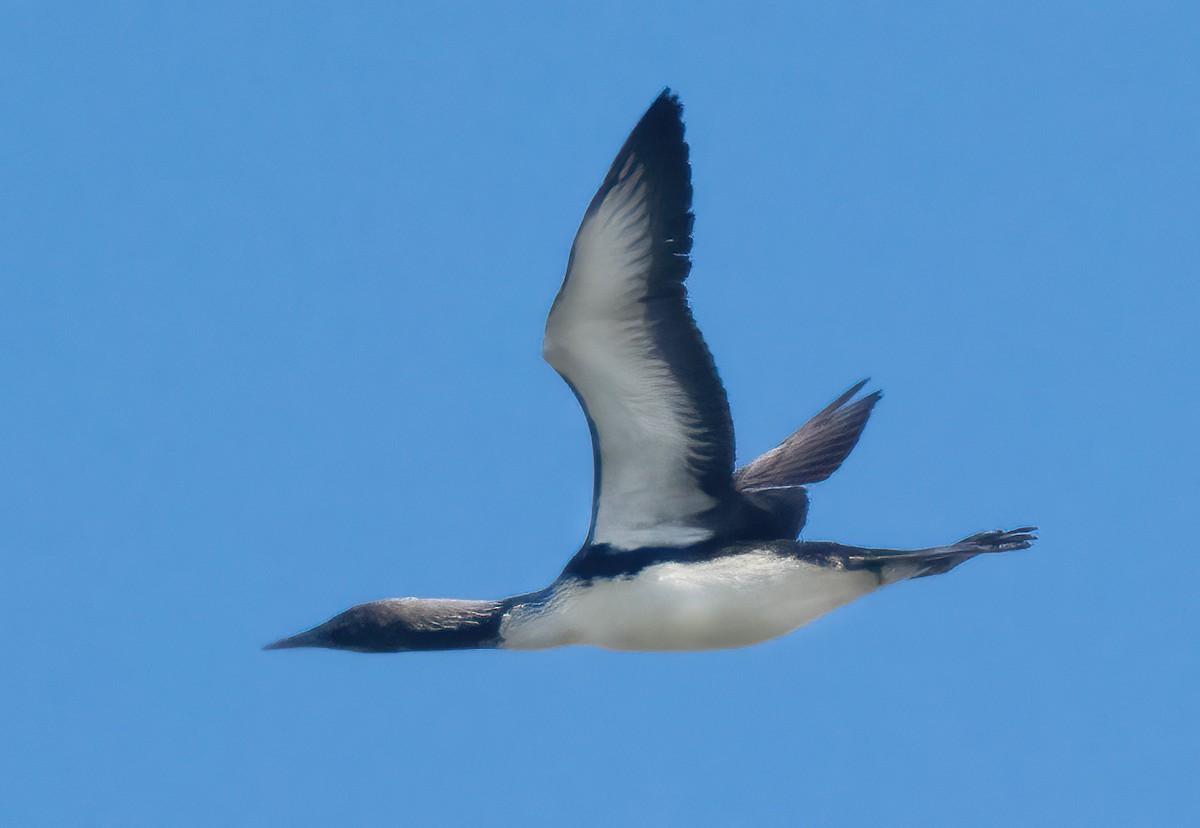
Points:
x=622, y=335
x=815, y=450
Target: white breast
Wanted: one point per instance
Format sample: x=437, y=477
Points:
x=733, y=601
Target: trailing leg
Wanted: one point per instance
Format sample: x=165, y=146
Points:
x=900, y=564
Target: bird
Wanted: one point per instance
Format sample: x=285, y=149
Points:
x=684, y=552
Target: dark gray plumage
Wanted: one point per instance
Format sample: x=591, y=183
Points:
x=815, y=450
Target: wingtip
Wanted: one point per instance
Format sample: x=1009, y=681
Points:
x=666, y=105
x=658, y=141
x=849, y=394
x=878, y=392
x=871, y=397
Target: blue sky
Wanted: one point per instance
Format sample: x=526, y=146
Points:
x=274, y=280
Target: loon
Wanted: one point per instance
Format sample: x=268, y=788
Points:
x=684, y=552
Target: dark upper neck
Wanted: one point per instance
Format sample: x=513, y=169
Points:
x=441, y=624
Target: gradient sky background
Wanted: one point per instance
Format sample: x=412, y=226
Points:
x=274, y=281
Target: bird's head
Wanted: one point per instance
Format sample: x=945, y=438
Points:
x=399, y=624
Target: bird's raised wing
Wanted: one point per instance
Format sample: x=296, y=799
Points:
x=815, y=450
x=622, y=335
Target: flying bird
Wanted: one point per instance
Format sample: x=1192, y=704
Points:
x=684, y=552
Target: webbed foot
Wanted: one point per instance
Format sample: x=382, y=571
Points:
x=996, y=541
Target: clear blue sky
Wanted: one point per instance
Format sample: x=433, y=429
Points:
x=274, y=280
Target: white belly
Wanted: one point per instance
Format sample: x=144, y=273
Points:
x=732, y=601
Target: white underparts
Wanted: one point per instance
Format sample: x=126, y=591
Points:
x=733, y=601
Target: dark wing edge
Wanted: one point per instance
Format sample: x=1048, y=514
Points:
x=622, y=335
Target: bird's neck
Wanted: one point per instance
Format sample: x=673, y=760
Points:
x=449, y=624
